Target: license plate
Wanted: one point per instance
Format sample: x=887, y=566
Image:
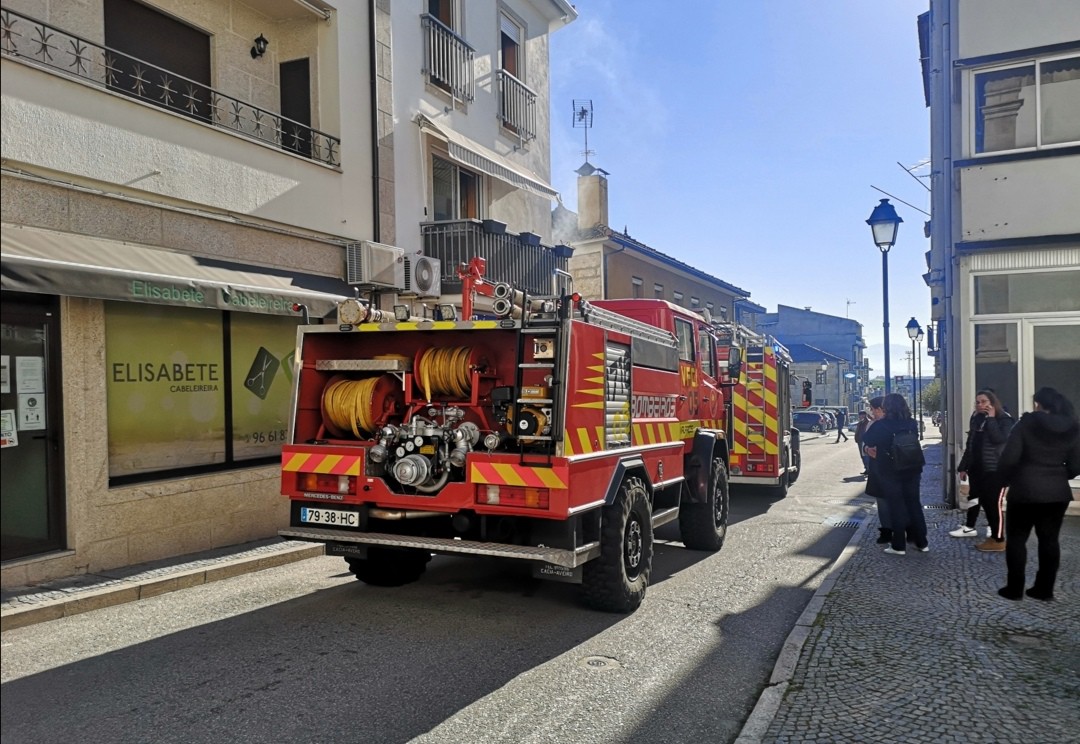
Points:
x=329, y=517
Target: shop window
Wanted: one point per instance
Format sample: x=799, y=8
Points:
x=1027, y=292
x=996, y=362
x=211, y=394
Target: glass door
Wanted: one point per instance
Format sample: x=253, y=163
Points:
x=31, y=458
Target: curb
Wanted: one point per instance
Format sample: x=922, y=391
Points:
x=134, y=589
x=761, y=717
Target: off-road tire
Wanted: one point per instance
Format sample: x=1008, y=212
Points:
x=616, y=581
x=389, y=566
x=703, y=526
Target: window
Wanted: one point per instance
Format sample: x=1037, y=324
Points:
x=996, y=355
x=695, y=302
x=637, y=288
x=1027, y=292
x=1027, y=106
x=677, y=296
x=707, y=353
x=709, y=306
x=211, y=394
x=455, y=192
x=510, y=35
x=157, y=58
x=685, y=333
x=448, y=58
x=658, y=291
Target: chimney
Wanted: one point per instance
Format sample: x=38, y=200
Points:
x=592, y=201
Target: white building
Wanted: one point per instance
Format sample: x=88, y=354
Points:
x=1003, y=86
x=180, y=180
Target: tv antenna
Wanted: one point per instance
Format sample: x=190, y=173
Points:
x=847, y=311
x=583, y=115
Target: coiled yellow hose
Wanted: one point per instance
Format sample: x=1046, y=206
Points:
x=445, y=371
x=348, y=405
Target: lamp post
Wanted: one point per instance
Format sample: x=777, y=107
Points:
x=918, y=340
x=884, y=222
x=824, y=382
x=915, y=333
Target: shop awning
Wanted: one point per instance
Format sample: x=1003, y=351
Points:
x=478, y=157
x=48, y=262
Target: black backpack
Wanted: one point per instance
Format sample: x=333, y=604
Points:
x=906, y=451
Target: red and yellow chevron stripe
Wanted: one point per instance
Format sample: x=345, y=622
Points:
x=755, y=418
x=509, y=474
x=305, y=462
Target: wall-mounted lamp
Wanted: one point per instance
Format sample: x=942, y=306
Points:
x=260, y=47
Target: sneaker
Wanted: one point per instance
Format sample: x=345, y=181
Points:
x=924, y=549
x=991, y=546
x=989, y=532
x=965, y=532
x=890, y=551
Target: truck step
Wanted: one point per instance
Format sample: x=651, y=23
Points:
x=557, y=556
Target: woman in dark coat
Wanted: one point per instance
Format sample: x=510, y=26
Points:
x=900, y=489
x=988, y=429
x=1042, y=454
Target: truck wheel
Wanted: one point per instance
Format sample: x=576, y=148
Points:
x=704, y=526
x=796, y=460
x=389, y=567
x=616, y=581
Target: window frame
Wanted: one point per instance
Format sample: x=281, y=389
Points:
x=458, y=171
x=973, y=116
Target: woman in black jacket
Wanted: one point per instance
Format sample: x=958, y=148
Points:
x=988, y=429
x=899, y=488
x=1042, y=454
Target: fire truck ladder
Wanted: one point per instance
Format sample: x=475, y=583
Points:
x=615, y=322
x=756, y=431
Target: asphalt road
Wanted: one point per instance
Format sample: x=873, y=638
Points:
x=477, y=651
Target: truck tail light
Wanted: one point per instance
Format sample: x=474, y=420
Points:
x=529, y=498
x=325, y=483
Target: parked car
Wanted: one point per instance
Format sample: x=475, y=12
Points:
x=808, y=421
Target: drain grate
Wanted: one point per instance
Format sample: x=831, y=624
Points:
x=842, y=522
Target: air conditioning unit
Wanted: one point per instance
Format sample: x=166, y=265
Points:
x=374, y=265
x=423, y=275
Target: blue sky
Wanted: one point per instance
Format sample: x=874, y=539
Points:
x=745, y=138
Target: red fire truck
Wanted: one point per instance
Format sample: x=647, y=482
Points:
x=555, y=430
x=764, y=444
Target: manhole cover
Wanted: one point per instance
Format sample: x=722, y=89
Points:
x=601, y=663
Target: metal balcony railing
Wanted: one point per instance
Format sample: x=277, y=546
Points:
x=517, y=106
x=24, y=38
x=510, y=258
x=448, y=59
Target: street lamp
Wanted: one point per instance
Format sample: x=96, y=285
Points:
x=884, y=222
x=918, y=340
x=824, y=382
x=915, y=333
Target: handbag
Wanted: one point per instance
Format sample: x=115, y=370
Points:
x=963, y=493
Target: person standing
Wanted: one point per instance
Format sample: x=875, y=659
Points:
x=841, y=420
x=873, y=478
x=987, y=431
x=860, y=432
x=900, y=488
x=1040, y=456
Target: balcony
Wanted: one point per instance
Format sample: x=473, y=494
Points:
x=517, y=106
x=27, y=40
x=510, y=258
x=448, y=59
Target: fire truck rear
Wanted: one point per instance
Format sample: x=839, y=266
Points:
x=554, y=430
x=764, y=445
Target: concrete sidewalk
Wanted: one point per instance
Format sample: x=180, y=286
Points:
x=920, y=647
x=70, y=596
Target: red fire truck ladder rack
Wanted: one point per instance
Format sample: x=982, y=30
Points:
x=756, y=430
